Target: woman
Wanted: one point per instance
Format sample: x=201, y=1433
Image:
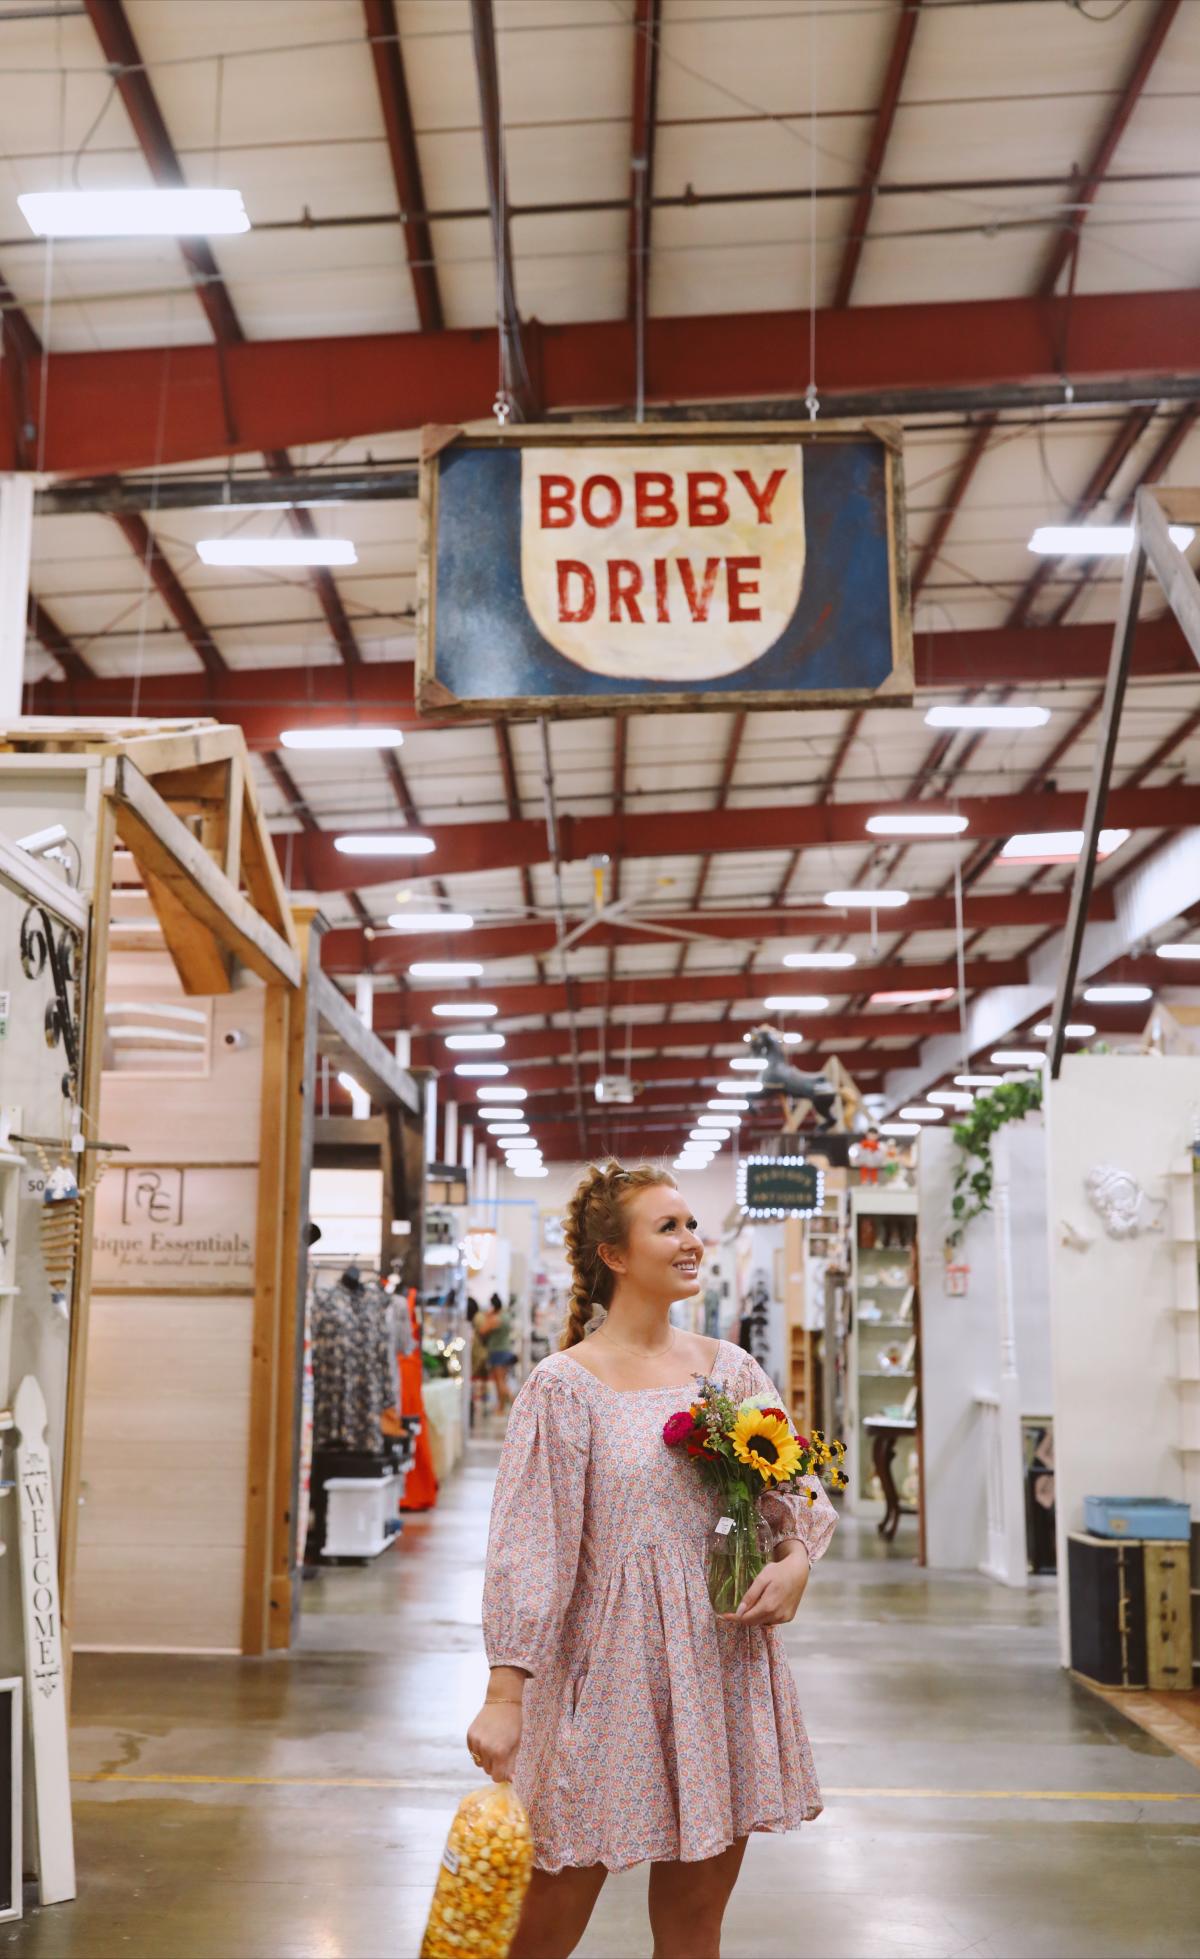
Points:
x=496, y=1328
x=635, y=1724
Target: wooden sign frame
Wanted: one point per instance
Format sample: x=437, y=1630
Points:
x=438, y=699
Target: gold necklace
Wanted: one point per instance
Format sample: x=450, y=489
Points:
x=638, y=1352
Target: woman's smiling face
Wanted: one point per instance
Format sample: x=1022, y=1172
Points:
x=662, y=1252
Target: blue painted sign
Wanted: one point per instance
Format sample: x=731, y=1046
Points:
x=585, y=571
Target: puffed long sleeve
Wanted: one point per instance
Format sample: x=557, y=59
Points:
x=537, y=1523
x=791, y=1514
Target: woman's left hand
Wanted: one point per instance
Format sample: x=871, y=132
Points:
x=774, y=1597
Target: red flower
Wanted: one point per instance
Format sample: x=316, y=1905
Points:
x=696, y=1447
x=678, y=1428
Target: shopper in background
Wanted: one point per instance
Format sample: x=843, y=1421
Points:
x=635, y=1724
x=479, y=1359
x=495, y=1327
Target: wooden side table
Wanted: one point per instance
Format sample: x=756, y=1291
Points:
x=885, y=1432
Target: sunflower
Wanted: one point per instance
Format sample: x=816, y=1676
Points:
x=765, y=1442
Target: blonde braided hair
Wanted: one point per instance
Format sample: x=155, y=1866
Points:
x=595, y=1216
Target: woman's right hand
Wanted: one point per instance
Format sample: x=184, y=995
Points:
x=494, y=1737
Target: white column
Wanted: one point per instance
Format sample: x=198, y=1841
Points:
x=479, y=1182
x=364, y=1007
x=16, y=539
x=404, y=1048
x=450, y=1133
x=1016, y=1561
x=466, y=1146
x=493, y=1188
x=431, y=1113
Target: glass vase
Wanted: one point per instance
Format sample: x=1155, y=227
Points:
x=738, y=1549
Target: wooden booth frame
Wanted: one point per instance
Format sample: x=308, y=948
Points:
x=436, y=699
x=179, y=798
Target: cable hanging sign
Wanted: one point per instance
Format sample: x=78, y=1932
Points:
x=585, y=569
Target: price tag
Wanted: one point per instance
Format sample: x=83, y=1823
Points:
x=724, y=1527
x=450, y=1860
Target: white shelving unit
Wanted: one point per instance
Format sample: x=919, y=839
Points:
x=1184, y=1191
x=883, y=1292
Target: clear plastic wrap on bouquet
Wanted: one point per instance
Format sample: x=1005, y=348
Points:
x=486, y=1867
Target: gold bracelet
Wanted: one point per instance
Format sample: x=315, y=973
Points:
x=501, y=1700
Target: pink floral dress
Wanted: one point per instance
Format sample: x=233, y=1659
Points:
x=653, y=1729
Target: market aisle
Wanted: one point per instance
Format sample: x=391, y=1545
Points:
x=323, y=1785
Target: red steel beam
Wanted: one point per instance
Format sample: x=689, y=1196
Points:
x=972, y=457
x=57, y=642
x=123, y=55
x=345, y=950
x=516, y=1002
x=885, y=115
x=262, y=701
x=103, y=407
x=466, y=849
x=430, y=1051
x=1084, y=187
x=384, y=35
x=265, y=700
x=647, y=25
x=157, y=565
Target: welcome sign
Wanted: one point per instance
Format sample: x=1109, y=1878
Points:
x=568, y=569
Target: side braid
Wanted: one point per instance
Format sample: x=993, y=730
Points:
x=595, y=1216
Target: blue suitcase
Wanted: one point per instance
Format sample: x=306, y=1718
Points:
x=1137, y=1516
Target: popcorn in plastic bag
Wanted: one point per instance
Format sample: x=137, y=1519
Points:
x=486, y=1867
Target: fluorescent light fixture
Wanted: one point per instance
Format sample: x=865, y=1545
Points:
x=195, y=1014
x=715, y=1137
x=977, y=1081
x=1179, y=951
x=473, y=1070
x=1018, y=1058
x=431, y=921
x=869, y=900
x=320, y=738
x=952, y=1098
x=173, y=212
x=968, y=716
x=276, y=553
x=1094, y=540
x=532, y=1171
x=718, y=1122
x=720, y=1103
x=922, y=1112
x=815, y=961
x=755, y=1063
x=473, y=1043
x=465, y=1009
x=1058, y=846
x=398, y=843
x=899, y=1128
x=505, y=1094
x=912, y=823
x=1075, y=1030
x=739, y=1088
x=508, y=1129
x=913, y=996
x=445, y=969
x=1116, y=996
x=515, y=1114
x=795, y=1003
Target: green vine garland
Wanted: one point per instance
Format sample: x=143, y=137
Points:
x=1010, y=1102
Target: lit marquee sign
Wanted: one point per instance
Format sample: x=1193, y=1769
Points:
x=780, y=1187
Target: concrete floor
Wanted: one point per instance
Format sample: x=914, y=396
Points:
x=978, y=1801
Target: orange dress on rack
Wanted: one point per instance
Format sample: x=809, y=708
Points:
x=421, y=1486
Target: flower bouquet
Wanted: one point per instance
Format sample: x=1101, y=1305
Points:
x=747, y=1448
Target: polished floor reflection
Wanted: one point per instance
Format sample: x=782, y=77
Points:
x=979, y=1803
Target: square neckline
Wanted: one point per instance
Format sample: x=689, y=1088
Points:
x=677, y=1387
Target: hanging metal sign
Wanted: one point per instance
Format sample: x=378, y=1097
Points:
x=579, y=570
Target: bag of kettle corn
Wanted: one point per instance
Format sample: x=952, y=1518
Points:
x=486, y=1867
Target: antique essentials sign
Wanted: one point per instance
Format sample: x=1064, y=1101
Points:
x=43, y=1650
x=779, y=1187
x=583, y=569
x=170, y=1227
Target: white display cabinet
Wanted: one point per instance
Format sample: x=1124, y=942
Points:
x=882, y=1356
